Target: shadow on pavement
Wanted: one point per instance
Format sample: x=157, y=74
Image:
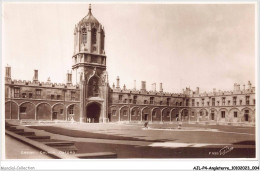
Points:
x=84, y=134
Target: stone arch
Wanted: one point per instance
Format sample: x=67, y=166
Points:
x=113, y=114
x=184, y=114
x=213, y=114
x=43, y=111
x=27, y=110
x=174, y=114
x=124, y=113
x=156, y=114
x=234, y=115
x=166, y=114
x=12, y=101
x=93, y=86
x=27, y=102
x=223, y=114
x=72, y=112
x=146, y=113
x=247, y=115
x=203, y=114
x=93, y=112
x=11, y=110
x=135, y=113
x=58, y=111
x=193, y=115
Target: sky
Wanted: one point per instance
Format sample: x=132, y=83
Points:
x=180, y=45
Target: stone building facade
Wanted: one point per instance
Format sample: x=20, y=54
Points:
x=91, y=99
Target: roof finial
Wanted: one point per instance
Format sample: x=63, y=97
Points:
x=89, y=8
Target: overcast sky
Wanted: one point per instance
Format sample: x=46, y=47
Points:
x=180, y=45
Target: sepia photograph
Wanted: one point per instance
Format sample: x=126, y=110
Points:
x=129, y=81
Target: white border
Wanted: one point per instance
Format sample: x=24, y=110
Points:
x=136, y=164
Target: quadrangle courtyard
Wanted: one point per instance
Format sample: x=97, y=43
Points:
x=132, y=140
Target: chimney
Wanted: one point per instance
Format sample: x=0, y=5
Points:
x=214, y=90
x=117, y=82
x=124, y=87
x=249, y=85
x=7, y=73
x=238, y=87
x=161, y=89
x=134, y=84
x=197, y=90
x=143, y=86
x=154, y=87
x=69, y=78
x=35, y=77
x=244, y=87
x=113, y=85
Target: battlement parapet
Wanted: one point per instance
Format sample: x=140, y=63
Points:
x=224, y=93
x=144, y=92
x=43, y=84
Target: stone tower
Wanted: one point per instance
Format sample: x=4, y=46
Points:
x=89, y=68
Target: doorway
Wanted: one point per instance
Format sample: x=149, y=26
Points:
x=54, y=115
x=146, y=117
x=93, y=113
x=212, y=116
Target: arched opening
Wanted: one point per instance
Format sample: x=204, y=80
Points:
x=146, y=114
x=93, y=89
x=135, y=114
x=93, y=113
x=184, y=115
x=27, y=110
x=84, y=35
x=156, y=114
x=124, y=115
x=11, y=110
x=58, y=112
x=94, y=36
x=44, y=111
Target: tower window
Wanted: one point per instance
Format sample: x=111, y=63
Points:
x=247, y=100
x=94, y=36
x=102, y=40
x=84, y=35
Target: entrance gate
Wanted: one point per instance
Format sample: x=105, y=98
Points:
x=93, y=113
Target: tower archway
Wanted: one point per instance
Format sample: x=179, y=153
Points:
x=93, y=112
